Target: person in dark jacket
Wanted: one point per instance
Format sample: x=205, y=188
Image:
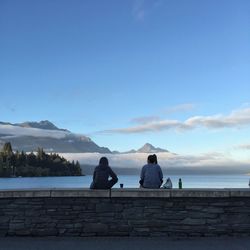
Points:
x=101, y=176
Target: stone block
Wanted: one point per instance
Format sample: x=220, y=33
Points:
x=216, y=210
x=16, y=226
x=4, y=219
x=44, y=232
x=243, y=192
x=140, y=193
x=95, y=228
x=200, y=193
x=105, y=207
x=190, y=221
x=78, y=225
x=22, y=232
x=80, y=193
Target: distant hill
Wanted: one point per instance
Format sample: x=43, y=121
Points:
x=148, y=148
x=42, y=125
x=28, y=136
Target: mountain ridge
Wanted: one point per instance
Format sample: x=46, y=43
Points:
x=147, y=148
x=44, y=124
x=47, y=136
x=30, y=135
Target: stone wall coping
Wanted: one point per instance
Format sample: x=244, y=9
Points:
x=126, y=192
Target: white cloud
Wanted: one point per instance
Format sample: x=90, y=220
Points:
x=138, y=10
x=148, y=127
x=212, y=161
x=145, y=119
x=142, y=8
x=16, y=131
x=170, y=110
x=243, y=147
x=236, y=119
x=185, y=107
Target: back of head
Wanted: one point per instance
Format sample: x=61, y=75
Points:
x=154, y=158
x=150, y=159
x=104, y=162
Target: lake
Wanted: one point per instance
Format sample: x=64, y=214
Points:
x=129, y=181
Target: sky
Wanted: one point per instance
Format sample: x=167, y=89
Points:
x=174, y=73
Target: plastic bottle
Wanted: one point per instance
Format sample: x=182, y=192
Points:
x=180, y=184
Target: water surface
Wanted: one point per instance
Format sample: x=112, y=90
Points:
x=129, y=181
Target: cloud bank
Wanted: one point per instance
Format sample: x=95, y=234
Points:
x=16, y=131
x=236, y=119
x=243, y=147
x=185, y=107
x=212, y=162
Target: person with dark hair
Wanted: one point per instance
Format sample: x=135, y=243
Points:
x=154, y=159
x=151, y=174
x=101, y=176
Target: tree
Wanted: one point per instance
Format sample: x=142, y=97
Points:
x=40, y=164
x=7, y=149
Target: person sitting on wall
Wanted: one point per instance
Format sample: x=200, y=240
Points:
x=151, y=174
x=101, y=176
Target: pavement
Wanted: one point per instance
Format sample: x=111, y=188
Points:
x=124, y=243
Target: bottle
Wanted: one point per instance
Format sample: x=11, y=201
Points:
x=180, y=184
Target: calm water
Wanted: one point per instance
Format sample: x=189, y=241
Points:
x=131, y=181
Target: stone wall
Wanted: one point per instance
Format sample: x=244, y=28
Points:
x=125, y=212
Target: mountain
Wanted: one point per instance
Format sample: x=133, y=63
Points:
x=42, y=125
x=28, y=136
x=149, y=149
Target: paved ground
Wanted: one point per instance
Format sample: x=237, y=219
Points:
x=124, y=243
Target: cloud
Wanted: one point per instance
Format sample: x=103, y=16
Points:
x=156, y=118
x=142, y=8
x=236, y=119
x=16, y=131
x=180, y=108
x=243, y=147
x=138, y=10
x=145, y=119
x=148, y=127
x=211, y=162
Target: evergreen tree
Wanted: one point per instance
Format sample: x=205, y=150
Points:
x=39, y=164
x=7, y=149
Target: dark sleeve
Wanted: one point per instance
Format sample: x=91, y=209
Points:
x=160, y=174
x=113, y=175
x=94, y=174
x=92, y=185
x=142, y=175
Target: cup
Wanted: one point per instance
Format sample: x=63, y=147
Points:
x=121, y=185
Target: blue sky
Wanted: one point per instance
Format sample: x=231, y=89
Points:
x=106, y=68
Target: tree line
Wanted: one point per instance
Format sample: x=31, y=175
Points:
x=15, y=163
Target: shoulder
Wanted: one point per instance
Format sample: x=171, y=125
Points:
x=110, y=169
x=144, y=168
x=158, y=166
